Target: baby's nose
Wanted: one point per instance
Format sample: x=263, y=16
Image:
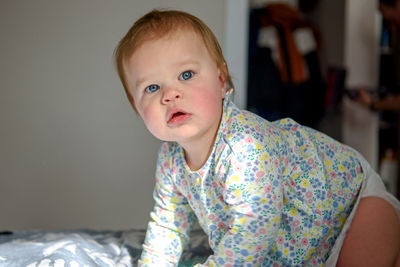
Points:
x=171, y=94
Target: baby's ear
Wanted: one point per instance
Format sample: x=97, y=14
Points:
x=223, y=76
x=223, y=81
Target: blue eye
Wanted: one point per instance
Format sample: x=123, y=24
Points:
x=186, y=75
x=152, y=88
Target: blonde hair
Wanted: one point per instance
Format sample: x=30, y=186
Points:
x=157, y=24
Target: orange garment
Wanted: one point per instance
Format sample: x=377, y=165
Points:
x=288, y=19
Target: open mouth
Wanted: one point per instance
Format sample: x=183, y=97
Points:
x=178, y=117
x=177, y=114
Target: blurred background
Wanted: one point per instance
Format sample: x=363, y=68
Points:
x=73, y=154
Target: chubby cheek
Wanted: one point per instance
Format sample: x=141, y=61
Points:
x=209, y=108
x=210, y=104
x=152, y=120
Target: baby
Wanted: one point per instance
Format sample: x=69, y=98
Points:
x=265, y=193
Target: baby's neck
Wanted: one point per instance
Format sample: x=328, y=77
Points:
x=197, y=157
x=198, y=152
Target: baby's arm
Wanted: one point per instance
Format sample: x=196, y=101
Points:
x=171, y=220
x=255, y=207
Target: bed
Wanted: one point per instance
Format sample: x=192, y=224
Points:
x=86, y=248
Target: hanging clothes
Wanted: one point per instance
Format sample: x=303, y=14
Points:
x=284, y=78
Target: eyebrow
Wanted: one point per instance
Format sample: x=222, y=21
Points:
x=187, y=62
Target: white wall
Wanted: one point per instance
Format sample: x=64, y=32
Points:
x=72, y=152
x=235, y=48
x=360, y=126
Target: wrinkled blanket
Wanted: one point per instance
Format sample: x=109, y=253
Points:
x=86, y=248
x=65, y=248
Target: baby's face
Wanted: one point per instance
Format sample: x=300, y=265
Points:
x=177, y=87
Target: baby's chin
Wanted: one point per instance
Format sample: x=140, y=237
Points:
x=181, y=134
x=161, y=136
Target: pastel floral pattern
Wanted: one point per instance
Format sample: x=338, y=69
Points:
x=270, y=194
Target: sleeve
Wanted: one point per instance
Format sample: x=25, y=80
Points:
x=254, y=196
x=170, y=221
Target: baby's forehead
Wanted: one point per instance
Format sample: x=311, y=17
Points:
x=170, y=36
x=174, y=34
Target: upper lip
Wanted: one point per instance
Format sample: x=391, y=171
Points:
x=174, y=111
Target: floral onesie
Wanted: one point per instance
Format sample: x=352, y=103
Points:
x=270, y=194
